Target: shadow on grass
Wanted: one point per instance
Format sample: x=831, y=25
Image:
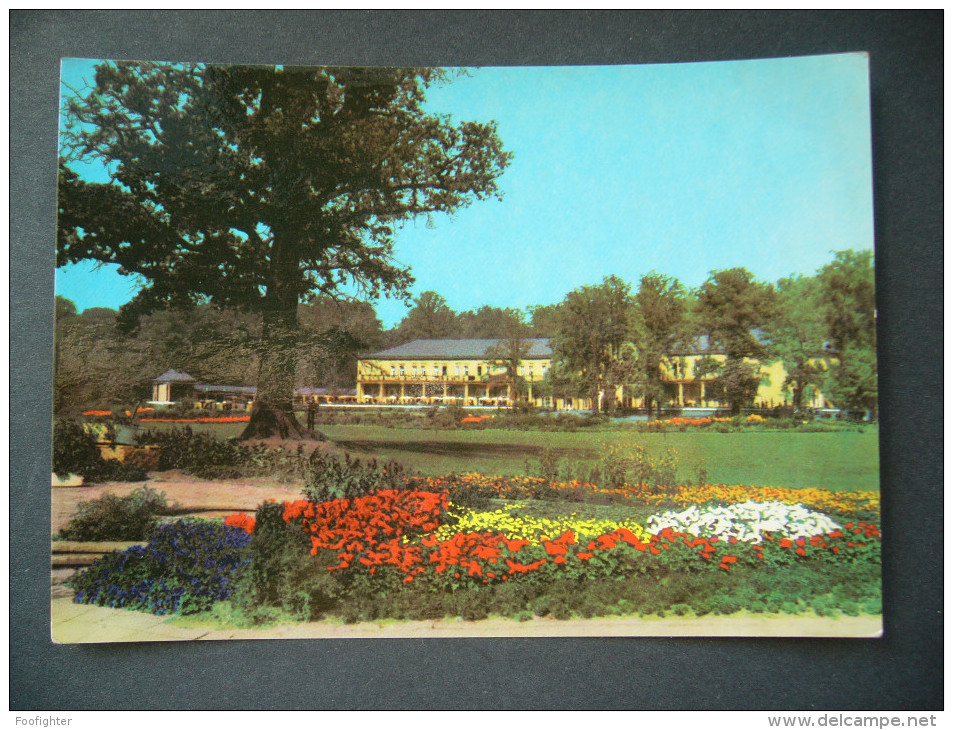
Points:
x=445, y=448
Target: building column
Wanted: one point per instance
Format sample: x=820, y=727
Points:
x=466, y=393
x=402, y=391
x=701, y=385
x=681, y=394
x=445, y=391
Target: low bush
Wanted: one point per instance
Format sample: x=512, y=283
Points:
x=110, y=517
x=283, y=578
x=75, y=452
x=330, y=477
x=187, y=566
x=208, y=457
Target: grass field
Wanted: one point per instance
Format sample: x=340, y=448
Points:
x=846, y=460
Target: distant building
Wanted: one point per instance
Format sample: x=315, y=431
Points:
x=447, y=371
x=460, y=372
x=174, y=388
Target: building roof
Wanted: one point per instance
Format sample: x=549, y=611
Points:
x=456, y=350
x=174, y=376
x=249, y=389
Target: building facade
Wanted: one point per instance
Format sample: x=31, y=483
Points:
x=460, y=372
x=448, y=371
x=175, y=388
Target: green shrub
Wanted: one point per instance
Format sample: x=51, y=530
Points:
x=330, y=477
x=208, y=457
x=110, y=517
x=75, y=452
x=283, y=577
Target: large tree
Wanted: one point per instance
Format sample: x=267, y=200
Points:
x=661, y=308
x=731, y=309
x=847, y=290
x=334, y=332
x=429, y=319
x=592, y=343
x=510, y=350
x=255, y=187
x=796, y=334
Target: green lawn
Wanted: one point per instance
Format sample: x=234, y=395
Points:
x=838, y=461
x=844, y=460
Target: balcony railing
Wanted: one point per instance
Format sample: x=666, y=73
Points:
x=448, y=379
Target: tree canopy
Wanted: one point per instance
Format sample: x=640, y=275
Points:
x=796, y=333
x=662, y=303
x=847, y=288
x=594, y=328
x=255, y=188
x=731, y=307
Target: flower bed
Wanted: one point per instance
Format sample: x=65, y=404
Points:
x=662, y=496
x=373, y=532
x=186, y=567
x=746, y=522
x=529, y=528
x=404, y=553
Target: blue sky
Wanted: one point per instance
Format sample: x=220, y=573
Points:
x=681, y=168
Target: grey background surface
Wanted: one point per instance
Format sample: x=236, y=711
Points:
x=903, y=670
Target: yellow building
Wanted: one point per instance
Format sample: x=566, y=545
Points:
x=686, y=389
x=447, y=371
x=460, y=372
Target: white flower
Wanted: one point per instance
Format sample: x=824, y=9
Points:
x=745, y=521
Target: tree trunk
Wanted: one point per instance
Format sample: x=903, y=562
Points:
x=273, y=411
x=796, y=397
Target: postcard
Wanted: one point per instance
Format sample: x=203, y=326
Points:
x=441, y=352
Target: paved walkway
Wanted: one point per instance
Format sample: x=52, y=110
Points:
x=76, y=623
x=213, y=498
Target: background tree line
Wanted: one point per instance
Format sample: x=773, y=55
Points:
x=821, y=327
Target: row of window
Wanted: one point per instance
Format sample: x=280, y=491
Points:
x=461, y=371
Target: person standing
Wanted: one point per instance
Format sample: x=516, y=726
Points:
x=311, y=411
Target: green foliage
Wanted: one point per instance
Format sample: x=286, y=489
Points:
x=202, y=454
x=847, y=287
x=445, y=417
x=429, y=319
x=330, y=477
x=661, y=321
x=797, y=333
x=630, y=463
x=731, y=306
x=283, y=578
x=75, y=452
x=306, y=172
x=591, y=347
x=113, y=518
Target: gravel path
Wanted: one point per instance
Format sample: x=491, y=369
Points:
x=189, y=493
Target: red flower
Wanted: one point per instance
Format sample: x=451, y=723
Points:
x=245, y=522
x=584, y=556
